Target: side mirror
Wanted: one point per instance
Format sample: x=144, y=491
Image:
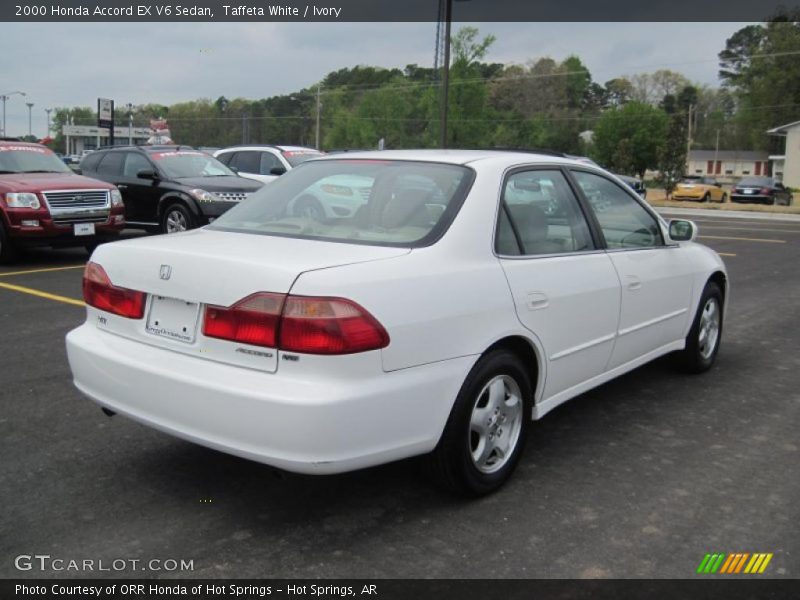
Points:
x=682, y=231
x=277, y=171
x=147, y=174
x=234, y=169
x=718, y=184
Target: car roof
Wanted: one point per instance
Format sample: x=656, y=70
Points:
x=463, y=157
x=280, y=147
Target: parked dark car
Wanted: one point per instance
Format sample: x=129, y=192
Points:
x=169, y=188
x=761, y=190
x=636, y=184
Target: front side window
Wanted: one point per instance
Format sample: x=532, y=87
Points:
x=246, y=162
x=540, y=215
x=625, y=223
x=134, y=163
x=268, y=162
x=378, y=202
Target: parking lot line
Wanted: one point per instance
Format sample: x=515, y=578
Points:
x=45, y=270
x=41, y=294
x=742, y=239
x=726, y=253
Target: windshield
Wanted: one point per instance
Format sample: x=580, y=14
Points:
x=295, y=157
x=189, y=163
x=378, y=202
x=756, y=181
x=30, y=159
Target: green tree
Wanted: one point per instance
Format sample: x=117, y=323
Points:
x=627, y=139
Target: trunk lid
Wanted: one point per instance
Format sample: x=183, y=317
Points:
x=181, y=273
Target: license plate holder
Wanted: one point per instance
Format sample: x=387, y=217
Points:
x=173, y=319
x=83, y=229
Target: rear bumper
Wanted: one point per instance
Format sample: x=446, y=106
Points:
x=315, y=425
x=751, y=199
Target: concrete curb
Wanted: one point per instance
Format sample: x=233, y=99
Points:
x=727, y=214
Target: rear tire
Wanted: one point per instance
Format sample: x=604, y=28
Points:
x=702, y=343
x=724, y=199
x=176, y=218
x=485, y=433
x=706, y=198
x=8, y=252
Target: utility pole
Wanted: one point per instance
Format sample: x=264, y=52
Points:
x=244, y=128
x=30, y=110
x=448, y=17
x=319, y=111
x=130, y=123
x=48, y=111
x=716, y=152
x=689, y=137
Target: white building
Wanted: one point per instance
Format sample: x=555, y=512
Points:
x=85, y=137
x=786, y=166
x=728, y=166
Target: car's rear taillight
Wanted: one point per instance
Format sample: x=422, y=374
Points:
x=329, y=326
x=253, y=320
x=765, y=191
x=98, y=291
x=297, y=324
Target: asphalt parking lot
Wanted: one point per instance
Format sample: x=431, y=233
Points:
x=638, y=478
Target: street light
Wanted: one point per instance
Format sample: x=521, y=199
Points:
x=30, y=128
x=48, y=111
x=129, y=105
x=5, y=97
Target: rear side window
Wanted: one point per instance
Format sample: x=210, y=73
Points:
x=111, y=163
x=91, y=161
x=625, y=223
x=378, y=202
x=540, y=216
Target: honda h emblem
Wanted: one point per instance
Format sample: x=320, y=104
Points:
x=165, y=272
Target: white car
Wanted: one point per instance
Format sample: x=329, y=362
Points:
x=265, y=163
x=439, y=319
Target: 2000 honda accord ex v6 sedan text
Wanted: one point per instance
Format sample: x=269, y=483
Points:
x=468, y=292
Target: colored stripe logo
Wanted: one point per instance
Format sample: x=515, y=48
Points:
x=735, y=563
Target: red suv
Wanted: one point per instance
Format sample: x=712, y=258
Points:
x=43, y=203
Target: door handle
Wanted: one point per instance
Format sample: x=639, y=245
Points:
x=121, y=186
x=633, y=283
x=536, y=301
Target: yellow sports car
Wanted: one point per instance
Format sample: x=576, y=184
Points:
x=700, y=189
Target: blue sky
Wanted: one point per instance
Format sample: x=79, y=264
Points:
x=67, y=64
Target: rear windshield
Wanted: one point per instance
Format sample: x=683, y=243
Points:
x=295, y=157
x=377, y=202
x=189, y=163
x=30, y=159
x=756, y=181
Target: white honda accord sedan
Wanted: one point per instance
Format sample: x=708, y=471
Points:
x=470, y=292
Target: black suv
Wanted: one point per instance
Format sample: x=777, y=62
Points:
x=168, y=188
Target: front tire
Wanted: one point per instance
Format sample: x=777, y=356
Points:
x=310, y=208
x=176, y=218
x=8, y=252
x=724, y=199
x=485, y=433
x=702, y=343
x=706, y=198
